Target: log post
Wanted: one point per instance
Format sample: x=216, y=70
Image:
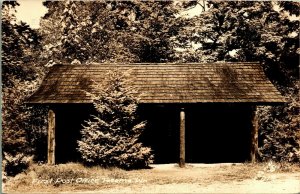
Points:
x=254, y=137
x=51, y=137
x=182, y=139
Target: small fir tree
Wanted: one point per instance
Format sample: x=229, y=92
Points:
x=111, y=138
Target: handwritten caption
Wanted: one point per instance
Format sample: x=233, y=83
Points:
x=87, y=181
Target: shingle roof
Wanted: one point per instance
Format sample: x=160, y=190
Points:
x=164, y=83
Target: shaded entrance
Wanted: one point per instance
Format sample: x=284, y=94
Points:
x=214, y=132
x=162, y=132
x=218, y=133
x=69, y=120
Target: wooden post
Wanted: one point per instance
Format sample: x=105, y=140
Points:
x=182, y=139
x=51, y=137
x=254, y=137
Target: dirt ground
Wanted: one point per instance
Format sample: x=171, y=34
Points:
x=220, y=178
x=195, y=178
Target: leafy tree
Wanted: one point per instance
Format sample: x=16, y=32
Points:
x=111, y=138
x=20, y=77
x=110, y=31
x=248, y=31
x=154, y=29
x=280, y=133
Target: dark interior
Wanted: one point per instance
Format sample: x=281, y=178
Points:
x=218, y=133
x=162, y=131
x=214, y=132
x=69, y=120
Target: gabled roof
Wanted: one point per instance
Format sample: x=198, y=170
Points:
x=164, y=83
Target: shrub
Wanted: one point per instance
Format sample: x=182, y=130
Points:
x=280, y=132
x=4, y=176
x=14, y=164
x=23, y=127
x=111, y=138
x=60, y=172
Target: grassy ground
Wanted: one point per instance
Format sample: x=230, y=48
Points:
x=209, y=178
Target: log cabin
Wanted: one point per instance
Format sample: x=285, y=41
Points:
x=196, y=112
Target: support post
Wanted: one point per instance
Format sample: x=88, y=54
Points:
x=182, y=139
x=51, y=137
x=254, y=137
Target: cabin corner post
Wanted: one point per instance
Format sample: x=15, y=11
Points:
x=51, y=137
x=182, y=138
x=254, y=136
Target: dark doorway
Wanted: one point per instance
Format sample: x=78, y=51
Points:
x=214, y=132
x=218, y=133
x=69, y=120
x=161, y=133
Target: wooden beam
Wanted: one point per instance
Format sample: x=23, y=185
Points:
x=51, y=137
x=254, y=137
x=182, y=139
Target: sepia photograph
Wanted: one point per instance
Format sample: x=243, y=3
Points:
x=150, y=96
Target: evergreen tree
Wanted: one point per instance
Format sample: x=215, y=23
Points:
x=111, y=138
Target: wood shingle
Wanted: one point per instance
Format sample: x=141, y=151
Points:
x=164, y=83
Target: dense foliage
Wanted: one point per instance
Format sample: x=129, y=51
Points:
x=111, y=138
x=109, y=31
x=247, y=31
x=280, y=132
x=22, y=126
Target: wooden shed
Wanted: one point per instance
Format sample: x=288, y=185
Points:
x=195, y=112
